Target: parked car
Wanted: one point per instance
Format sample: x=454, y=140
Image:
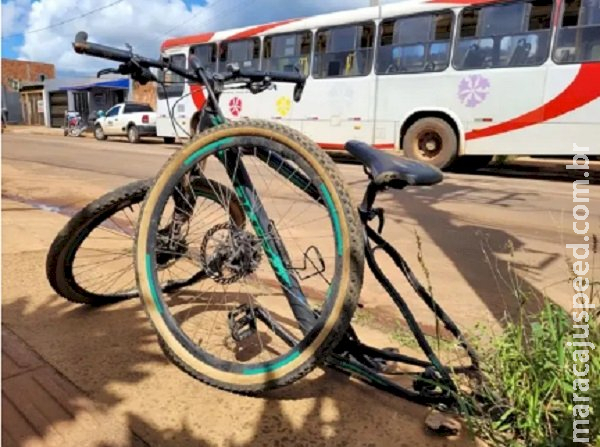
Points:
x=131, y=119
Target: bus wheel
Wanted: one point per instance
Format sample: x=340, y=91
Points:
x=169, y=140
x=431, y=140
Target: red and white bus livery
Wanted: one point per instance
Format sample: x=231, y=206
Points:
x=438, y=79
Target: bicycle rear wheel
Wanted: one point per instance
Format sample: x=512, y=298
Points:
x=281, y=290
x=91, y=259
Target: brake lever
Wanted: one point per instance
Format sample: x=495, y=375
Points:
x=259, y=87
x=138, y=73
x=106, y=71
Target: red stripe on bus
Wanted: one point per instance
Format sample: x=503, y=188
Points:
x=259, y=29
x=186, y=40
x=198, y=96
x=584, y=89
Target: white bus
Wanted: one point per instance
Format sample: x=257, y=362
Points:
x=438, y=79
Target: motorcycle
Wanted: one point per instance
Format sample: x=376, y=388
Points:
x=74, y=124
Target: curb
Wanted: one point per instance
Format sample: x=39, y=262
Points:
x=542, y=168
x=35, y=131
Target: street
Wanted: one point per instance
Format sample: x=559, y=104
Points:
x=483, y=237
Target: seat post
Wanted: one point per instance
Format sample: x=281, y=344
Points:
x=368, y=200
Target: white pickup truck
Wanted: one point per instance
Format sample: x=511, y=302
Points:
x=131, y=119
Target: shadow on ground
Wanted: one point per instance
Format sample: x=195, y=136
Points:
x=483, y=256
x=112, y=355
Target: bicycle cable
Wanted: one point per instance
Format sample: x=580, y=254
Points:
x=171, y=111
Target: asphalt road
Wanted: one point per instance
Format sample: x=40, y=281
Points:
x=475, y=228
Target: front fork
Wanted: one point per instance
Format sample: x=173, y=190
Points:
x=271, y=242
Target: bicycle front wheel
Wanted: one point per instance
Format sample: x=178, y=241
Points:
x=282, y=289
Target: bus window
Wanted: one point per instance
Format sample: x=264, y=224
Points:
x=578, y=38
x=288, y=51
x=244, y=53
x=504, y=35
x=344, y=51
x=207, y=55
x=174, y=84
x=415, y=44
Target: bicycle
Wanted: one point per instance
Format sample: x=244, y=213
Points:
x=112, y=216
x=311, y=335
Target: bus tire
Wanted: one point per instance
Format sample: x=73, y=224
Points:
x=431, y=140
x=169, y=140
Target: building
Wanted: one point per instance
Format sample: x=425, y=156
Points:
x=145, y=93
x=86, y=95
x=32, y=103
x=33, y=95
x=16, y=73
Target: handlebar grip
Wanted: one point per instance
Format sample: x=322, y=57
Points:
x=295, y=78
x=275, y=76
x=82, y=46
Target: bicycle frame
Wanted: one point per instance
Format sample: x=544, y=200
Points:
x=276, y=252
x=362, y=361
x=351, y=356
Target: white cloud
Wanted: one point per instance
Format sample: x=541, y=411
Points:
x=142, y=23
x=14, y=16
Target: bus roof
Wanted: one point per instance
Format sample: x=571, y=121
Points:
x=318, y=21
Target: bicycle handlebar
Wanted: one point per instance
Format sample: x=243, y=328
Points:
x=82, y=46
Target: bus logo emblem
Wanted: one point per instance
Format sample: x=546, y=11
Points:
x=473, y=90
x=283, y=105
x=235, y=106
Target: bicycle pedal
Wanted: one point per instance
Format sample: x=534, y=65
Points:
x=242, y=323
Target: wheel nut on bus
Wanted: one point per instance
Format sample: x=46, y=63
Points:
x=446, y=81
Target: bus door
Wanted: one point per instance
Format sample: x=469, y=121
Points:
x=339, y=99
x=413, y=54
x=173, y=89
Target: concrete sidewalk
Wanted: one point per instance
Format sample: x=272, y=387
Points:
x=58, y=132
x=41, y=407
x=38, y=130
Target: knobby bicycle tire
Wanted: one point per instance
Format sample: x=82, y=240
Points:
x=64, y=249
x=320, y=340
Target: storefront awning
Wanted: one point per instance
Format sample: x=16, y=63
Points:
x=115, y=83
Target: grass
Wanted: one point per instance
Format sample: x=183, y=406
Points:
x=363, y=317
x=525, y=397
x=528, y=380
x=404, y=337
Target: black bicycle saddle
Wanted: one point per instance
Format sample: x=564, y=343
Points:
x=393, y=170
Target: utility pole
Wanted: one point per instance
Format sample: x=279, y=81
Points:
x=376, y=3
x=379, y=15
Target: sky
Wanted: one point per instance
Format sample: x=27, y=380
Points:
x=142, y=23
